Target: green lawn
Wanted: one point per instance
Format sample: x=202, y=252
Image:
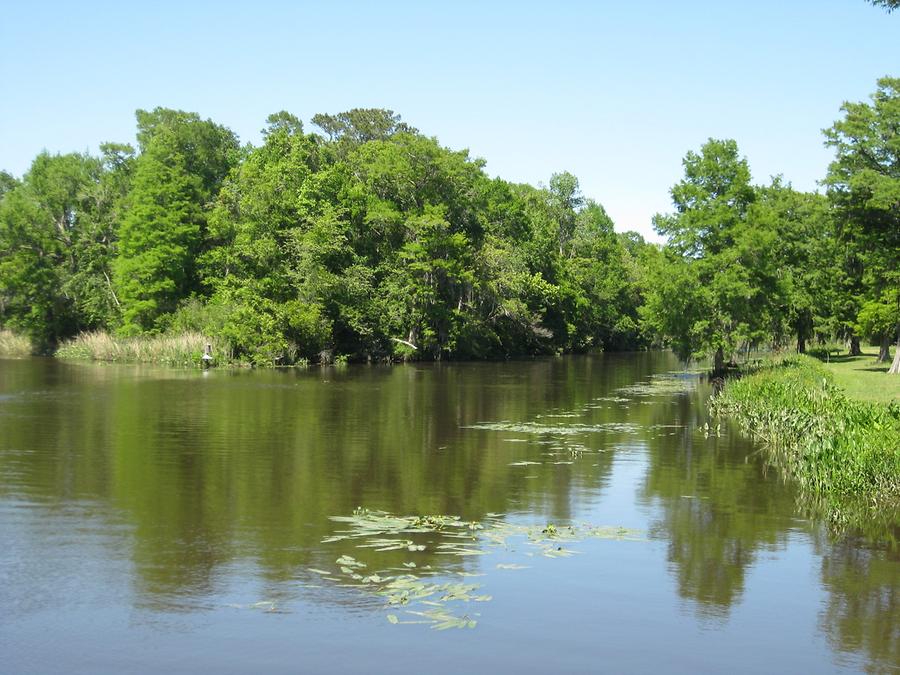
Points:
x=861, y=377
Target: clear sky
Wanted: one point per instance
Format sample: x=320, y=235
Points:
x=615, y=92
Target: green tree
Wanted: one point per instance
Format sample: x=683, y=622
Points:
x=95, y=247
x=209, y=150
x=350, y=129
x=605, y=311
x=721, y=259
x=804, y=255
x=864, y=185
x=177, y=176
x=158, y=238
x=7, y=183
x=565, y=200
x=45, y=224
x=889, y=5
x=273, y=247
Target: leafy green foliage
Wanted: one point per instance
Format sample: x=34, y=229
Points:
x=182, y=163
x=158, y=238
x=370, y=241
x=54, y=249
x=864, y=186
x=748, y=265
x=720, y=279
x=889, y=5
x=378, y=243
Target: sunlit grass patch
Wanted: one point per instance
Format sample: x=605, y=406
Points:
x=12, y=344
x=184, y=349
x=863, y=377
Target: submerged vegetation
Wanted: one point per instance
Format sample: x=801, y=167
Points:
x=843, y=453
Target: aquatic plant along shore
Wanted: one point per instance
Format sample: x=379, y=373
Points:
x=843, y=453
x=14, y=345
x=185, y=349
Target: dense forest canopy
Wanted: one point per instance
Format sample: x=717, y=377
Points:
x=365, y=239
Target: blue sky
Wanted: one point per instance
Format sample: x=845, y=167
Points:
x=616, y=93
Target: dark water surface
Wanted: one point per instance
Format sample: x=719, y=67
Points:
x=169, y=521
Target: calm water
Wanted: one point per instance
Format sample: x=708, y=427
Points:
x=157, y=520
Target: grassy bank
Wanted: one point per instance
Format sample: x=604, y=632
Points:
x=172, y=350
x=862, y=377
x=14, y=345
x=843, y=452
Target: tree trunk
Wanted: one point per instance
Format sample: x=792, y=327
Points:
x=719, y=363
x=884, y=353
x=854, y=346
x=895, y=366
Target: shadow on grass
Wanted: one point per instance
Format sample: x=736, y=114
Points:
x=882, y=366
x=833, y=358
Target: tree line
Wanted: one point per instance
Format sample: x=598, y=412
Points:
x=367, y=240
x=745, y=265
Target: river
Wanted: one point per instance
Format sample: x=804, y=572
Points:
x=585, y=520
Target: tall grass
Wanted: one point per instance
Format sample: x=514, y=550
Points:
x=844, y=453
x=183, y=349
x=14, y=345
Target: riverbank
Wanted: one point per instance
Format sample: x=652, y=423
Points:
x=183, y=350
x=843, y=452
x=187, y=349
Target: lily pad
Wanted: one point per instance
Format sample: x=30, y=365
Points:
x=427, y=591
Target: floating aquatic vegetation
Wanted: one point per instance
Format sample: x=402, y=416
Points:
x=661, y=385
x=438, y=619
x=709, y=431
x=562, y=430
x=346, y=560
x=268, y=606
x=424, y=591
x=366, y=524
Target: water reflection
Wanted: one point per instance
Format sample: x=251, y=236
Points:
x=863, y=609
x=198, y=483
x=253, y=464
x=717, y=510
